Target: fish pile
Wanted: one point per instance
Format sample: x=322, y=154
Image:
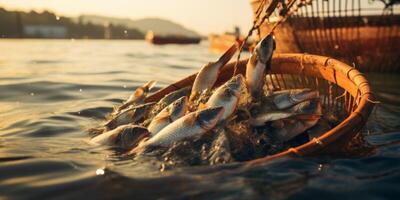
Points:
x=237, y=121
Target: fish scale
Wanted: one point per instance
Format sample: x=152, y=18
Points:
x=257, y=65
x=192, y=124
x=169, y=114
x=227, y=96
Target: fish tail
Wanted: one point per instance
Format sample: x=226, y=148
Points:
x=226, y=57
x=149, y=85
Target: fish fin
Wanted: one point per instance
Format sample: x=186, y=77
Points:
x=139, y=139
x=149, y=85
x=115, y=109
x=93, y=132
x=137, y=150
x=109, y=123
x=113, y=138
x=138, y=93
x=162, y=116
x=140, y=148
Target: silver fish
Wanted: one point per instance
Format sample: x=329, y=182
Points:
x=227, y=96
x=138, y=96
x=266, y=114
x=308, y=114
x=168, y=115
x=287, y=98
x=125, y=136
x=129, y=115
x=173, y=96
x=192, y=124
x=262, y=118
x=208, y=74
x=259, y=61
x=168, y=99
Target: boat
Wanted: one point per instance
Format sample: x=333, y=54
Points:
x=342, y=88
x=170, y=39
x=219, y=43
x=364, y=34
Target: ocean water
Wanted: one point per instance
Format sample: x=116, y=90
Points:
x=52, y=91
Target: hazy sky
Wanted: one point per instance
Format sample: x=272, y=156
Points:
x=203, y=16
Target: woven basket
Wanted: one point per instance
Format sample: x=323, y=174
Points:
x=341, y=88
x=365, y=33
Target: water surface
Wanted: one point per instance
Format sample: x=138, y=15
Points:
x=51, y=91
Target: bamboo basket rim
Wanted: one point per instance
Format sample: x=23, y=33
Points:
x=334, y=71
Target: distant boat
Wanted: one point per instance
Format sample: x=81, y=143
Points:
x=221, y=42
x=171, y=39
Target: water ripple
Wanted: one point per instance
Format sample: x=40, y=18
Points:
x=48, y=103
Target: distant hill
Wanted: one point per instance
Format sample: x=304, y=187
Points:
x=157, y=25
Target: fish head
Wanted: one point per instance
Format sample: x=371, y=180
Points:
x=265, y=48
x=131, y=135
x=209, y=117
x=236, y=84
x=179, y=107
x=308, y=113
x=300, y=95
x=288, y=98
x=312, y=107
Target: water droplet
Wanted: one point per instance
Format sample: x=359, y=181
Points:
x=79, y=112
x=125, y=31
x=336, y=46
x=320, y=167
x=80, y=90
x=100, y=171
x=57, y=18
x=317, y=141
x=32, y=94
x=124, y=86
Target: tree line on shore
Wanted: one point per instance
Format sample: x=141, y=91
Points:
x=13, y=23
